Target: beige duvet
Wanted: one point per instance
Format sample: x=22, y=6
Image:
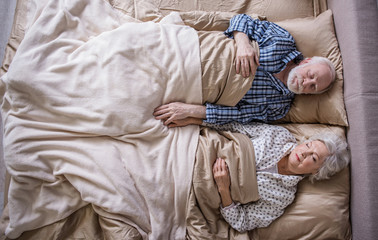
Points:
x=320, y=210
x=77, y=107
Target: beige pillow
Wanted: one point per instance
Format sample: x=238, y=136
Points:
x=273, y=9
x=320, y=210
x=315, y=36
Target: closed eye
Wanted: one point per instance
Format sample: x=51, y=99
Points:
x=310, y=74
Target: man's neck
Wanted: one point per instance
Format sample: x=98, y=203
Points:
x=284, y=74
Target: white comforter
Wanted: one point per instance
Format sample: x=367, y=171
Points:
x=77, y=107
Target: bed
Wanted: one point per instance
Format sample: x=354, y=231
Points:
x=84, y=156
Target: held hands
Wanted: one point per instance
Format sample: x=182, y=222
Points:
x=246, y=55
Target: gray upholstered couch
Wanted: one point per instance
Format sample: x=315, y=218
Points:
x=356, y=23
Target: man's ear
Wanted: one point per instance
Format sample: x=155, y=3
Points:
x=306, y=60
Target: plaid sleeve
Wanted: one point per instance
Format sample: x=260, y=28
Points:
x=261, y=31
x=239, y=23
x=277, y=46
x=245, y=113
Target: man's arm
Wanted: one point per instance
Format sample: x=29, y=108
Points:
x=174, y=114
x=268, y=35
x=246, y=56
x=255, y=29
x=178, y=114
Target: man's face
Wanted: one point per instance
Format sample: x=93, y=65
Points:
x=309, y=78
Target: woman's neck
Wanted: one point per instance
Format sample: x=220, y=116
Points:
x=282, y=166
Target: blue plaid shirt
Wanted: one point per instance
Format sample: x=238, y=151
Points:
x=268, y=99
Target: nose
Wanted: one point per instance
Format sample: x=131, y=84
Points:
x=305, y=154
x=308, y=81
x=308, y=84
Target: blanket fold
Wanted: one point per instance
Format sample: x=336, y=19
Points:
x=204, y=220
x=78, y=126
x=77, y=104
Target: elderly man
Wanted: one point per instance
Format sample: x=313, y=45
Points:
x=281, y=73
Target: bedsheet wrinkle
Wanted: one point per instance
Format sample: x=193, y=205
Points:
x=78, y=124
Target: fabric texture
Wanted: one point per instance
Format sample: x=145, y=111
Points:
x=315, y=36
x=330, y=219
x=360, y=57
x=268, y=99
x=204, y=220
x=220, y=82
x=321, y=209
x=271, y=144
x=276, y=10
x=72, y=139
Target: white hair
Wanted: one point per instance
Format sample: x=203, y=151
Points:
x=329, y=64
x=338, y=159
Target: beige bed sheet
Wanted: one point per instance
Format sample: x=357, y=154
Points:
x=111, y=104
x=333, y=194
x=203, y=219
x=78, y=123
x=320, y=210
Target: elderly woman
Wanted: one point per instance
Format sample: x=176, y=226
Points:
x=280, y=165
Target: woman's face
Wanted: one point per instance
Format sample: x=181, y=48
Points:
x=307, y=158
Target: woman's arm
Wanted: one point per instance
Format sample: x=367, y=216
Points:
x=234, y=214
x=222, y=179
x=244, y=217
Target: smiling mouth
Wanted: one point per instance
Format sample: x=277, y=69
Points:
x=297, y=157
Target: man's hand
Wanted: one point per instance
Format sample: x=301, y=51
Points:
x=246, y=55
x=178, y=114
x=223, y=181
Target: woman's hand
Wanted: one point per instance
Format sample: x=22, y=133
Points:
x=246, y=55
x=175, y=113
x=223, y=181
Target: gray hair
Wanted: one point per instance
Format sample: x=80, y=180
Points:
x=329, y=64
x=338, y=159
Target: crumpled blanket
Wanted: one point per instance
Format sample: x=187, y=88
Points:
x=204, y=220
x=77, y=107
